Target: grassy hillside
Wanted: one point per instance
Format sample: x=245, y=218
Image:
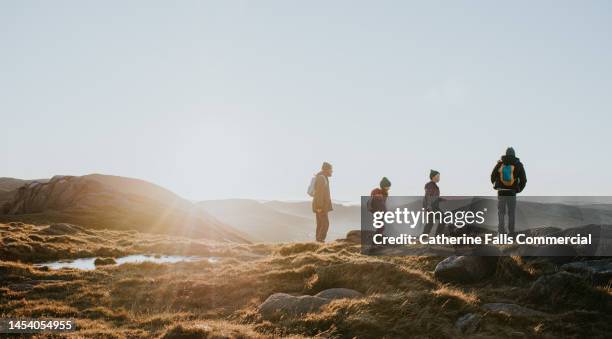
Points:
x=401, y=297
x=100, y=201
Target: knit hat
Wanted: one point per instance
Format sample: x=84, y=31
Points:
x=433, y=173
x=385, y=182
x=326, y=166
x=510, y=152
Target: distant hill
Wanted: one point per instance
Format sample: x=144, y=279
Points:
x=113, y=202
x=278, y=221
x=9, y=185
x=135, y=186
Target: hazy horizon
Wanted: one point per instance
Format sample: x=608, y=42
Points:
x=236, y=99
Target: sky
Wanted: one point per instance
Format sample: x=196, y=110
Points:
x=246, y=99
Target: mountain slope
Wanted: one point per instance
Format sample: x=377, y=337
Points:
x=116, y=203
x=260, y=222
x=8, y=187
x=278, y=221
x=135, y=186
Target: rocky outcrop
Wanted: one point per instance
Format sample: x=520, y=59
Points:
x=465, y=269
x=60, y=229
x=282, y=304
x=104, y=261
x=468, y=323
x=354, y=236
x=88, y=201
x=561, y=288
x=59, y=193
x=598, y=271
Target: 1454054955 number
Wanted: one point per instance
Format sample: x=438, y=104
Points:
x=36, y=325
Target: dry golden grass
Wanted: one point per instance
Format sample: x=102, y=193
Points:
x=219, y=299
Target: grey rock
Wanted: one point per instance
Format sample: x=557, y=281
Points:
x=599, y=271
x=338, y=293
x=104, y=261
x=59, y=229
x=354, y=236
x=468, y=323
x=558, y=288
x=282, y=304
x=465, y=269
x=513, y=310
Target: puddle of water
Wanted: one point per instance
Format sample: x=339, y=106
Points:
x=88, y=263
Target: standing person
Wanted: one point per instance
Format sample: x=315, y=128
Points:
x=431, y=202
x=321, y=201
x=508, y=178
x=378, y=199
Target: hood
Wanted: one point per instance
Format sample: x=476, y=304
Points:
x=510, y=160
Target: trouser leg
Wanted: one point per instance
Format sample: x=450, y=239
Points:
x=440, y=228
x=322, y=226
x=427, y=228
x=501, y=213
x=431, y=220
x=511, y=203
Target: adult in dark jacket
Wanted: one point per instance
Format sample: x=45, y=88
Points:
x=508, y=178
x=378, y=199
x=321, y=201
x=431, y=201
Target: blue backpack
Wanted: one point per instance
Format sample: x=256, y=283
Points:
x=506, y=174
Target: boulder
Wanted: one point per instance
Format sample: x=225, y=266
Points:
x=354, y=236
x=360, y=237
x=513, y=310
x=338, y=293
x=558, y=288
x=598, y=271
x=465, y=269
x=59, y=229
x=468, y=323
x=35, y=237
x=104, y=261
x=282, y=304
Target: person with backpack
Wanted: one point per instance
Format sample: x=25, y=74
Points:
x=378, y=199
x=321, y=200
x=508, y=178
x=431, y=201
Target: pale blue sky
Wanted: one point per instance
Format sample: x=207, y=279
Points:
x=247, y=98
